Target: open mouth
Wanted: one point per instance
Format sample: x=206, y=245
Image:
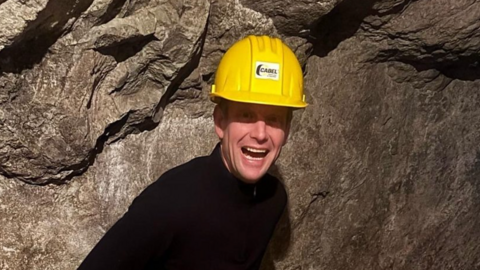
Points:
x=253, y=153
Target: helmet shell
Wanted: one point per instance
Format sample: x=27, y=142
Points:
x=260, y=70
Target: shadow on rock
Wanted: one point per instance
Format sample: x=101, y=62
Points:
x=340, y=24
x=280, y=242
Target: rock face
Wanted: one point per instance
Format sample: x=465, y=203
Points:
x=104, y=79
x=100, y=97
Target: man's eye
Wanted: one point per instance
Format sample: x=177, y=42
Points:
x=272, y=119
x=247, y=115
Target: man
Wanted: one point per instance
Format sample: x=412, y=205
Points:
x=218, y=211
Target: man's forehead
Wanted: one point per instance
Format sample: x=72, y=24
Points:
x=260, y=108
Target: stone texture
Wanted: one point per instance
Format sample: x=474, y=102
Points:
x=103, y=96
x=397, y=187
x=420, y=38
x=14, y=25
x=293, y=18
x=54, y=227
x=95, y=86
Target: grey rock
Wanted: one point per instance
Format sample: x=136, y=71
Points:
x=391, y=165
x=14, y=25
x=230, y=21
x=444, y=36
x=97, y=89
x=293, y=18
x=63, y=223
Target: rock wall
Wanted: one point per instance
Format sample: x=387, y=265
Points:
x=100, y=97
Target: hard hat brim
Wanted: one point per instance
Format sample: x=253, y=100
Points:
x=259, y=98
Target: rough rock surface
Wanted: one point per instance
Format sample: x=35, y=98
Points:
x=294, y=18
x=97, y=85
x=100, y=97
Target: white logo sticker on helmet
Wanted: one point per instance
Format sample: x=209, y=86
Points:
x=264, y=70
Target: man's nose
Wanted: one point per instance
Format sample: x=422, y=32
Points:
x=259, y=131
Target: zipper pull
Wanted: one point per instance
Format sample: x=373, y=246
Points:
x=255, y=191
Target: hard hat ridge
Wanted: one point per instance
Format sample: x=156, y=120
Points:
x=260, y=70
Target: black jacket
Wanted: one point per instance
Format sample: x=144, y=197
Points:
x=195, y=216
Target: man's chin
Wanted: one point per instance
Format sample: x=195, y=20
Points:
x=249, y=180
x=252, y=177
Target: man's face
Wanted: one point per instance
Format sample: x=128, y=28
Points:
x=251, y=137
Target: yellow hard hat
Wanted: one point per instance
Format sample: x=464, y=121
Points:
x=260, y=70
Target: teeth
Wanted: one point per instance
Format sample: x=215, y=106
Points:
x=255, y=150
x=253, y=158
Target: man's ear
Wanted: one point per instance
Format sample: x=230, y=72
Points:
x=219, y=121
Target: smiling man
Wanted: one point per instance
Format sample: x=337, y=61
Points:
x=251, y=137
x=218, y=212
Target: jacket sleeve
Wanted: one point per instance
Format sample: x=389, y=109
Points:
x=143, y=233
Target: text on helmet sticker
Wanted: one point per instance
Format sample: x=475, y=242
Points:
x=265, y=70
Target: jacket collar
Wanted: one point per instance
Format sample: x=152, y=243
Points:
x=226, y=180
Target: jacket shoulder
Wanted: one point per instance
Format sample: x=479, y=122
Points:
x=177, y=180
x=192, y=167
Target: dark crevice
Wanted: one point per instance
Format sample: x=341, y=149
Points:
x=465, y=71
x=347, y=18
x=112, y=11
x=321, y=194
x=465, y=68
x=396, y=9
x=127, y=48
x=31, y=47
x=12, y=175
x=121, y=52
x=338, y=25
x=282, y=237
x=96, y=82
x=151, y=123
x=80, y=168
x=148, y=124
x=182, y=11
x=344, y=21
x=315, y=196
x=115, y=130
x=207, y=77
x=182, y=75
